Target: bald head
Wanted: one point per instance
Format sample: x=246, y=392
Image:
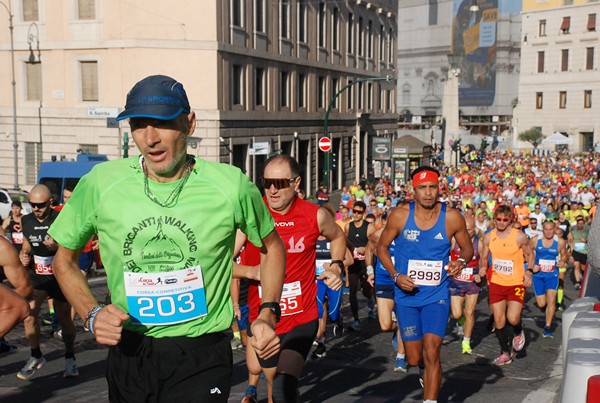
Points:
x=39, y=192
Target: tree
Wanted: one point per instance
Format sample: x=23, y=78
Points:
x=533, y=136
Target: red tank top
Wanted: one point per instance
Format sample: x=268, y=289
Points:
x=299, y=230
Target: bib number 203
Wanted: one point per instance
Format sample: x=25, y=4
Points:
x=166, y=306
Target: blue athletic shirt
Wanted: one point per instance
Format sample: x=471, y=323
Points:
x=546, y=258
x=429, y=252
x=382, y=277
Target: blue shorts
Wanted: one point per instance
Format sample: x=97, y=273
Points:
x=462, y=288
x=334, y=298
x=414, y=322
x=541, y=284
x=243, y=322
x=86, y=260
x=385, y=291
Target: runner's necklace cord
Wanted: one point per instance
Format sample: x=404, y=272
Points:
x=174, y=196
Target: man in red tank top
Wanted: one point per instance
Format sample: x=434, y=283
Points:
x=299, y=223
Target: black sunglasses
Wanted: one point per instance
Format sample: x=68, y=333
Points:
x=39, y=205
x=277, y=182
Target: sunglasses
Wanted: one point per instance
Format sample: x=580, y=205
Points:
x=502, y=219
x=278, y=183
x=358, y=212
x=39, y=205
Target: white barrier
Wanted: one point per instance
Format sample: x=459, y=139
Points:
x=585, y=304
x=580, y=367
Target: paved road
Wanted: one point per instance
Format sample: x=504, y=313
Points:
x=358, y=367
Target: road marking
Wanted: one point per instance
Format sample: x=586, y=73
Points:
x=549, y=390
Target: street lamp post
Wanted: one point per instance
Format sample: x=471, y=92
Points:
x=387, y=77
x=14, y=94
x=450, y=105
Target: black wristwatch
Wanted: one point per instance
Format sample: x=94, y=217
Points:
x=273, y=307
x=339, y=263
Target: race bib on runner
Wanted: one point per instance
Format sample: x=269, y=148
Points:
x=17, y=238
x=425, y=272
x=166, y=298
x=579, y=246
x=320, y=267
x=465, y=275
x=547, y=265
x=43, y=265
x=291, y=298
x=503, y=266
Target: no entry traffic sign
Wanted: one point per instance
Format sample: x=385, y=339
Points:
x=325, y=144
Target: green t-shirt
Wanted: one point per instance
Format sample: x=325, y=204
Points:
x=137, y=235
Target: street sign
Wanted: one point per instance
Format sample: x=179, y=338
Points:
x=325, y=144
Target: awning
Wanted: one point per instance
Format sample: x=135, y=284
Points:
x=566, y=24
x=591, y=25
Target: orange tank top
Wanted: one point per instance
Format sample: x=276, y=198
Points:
x=508, y=262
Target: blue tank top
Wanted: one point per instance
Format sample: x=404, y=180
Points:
x=546, y=259
x=382, y=277
x=423, y=255
x=323, y=254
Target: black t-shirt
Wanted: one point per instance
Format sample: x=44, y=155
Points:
x=36, y=232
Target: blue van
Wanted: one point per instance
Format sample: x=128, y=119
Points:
x=60, y=174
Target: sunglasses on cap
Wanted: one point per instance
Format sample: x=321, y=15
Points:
x=278, y=183
x=39, y=205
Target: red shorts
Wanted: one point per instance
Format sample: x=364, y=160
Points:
x=500, y=293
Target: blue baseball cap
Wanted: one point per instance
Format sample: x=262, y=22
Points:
x=156, y=97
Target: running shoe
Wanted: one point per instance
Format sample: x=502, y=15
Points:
x=577, y=286
x=401, y=365
x=421, y=371
x=338, y=329
x=71, y=370
x=371, y=314
x=547, y=333
x=236, y=344
x=30, y=367
x=395, y=341
x=355, y=325
x=315, y=343
x=466, y=347
x=504, y=359
x=5, y=347
x=320, y=351
x=57, y=334
x=251, y=395
x=49, y=318
x=519, y=341
x=561, y=306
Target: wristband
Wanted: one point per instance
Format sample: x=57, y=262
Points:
x=464, y=262
x=88, y=323
x=370, y=270
x=339, y=263
x=395, y=277
x=530, y=270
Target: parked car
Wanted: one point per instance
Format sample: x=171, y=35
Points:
x=7, y=196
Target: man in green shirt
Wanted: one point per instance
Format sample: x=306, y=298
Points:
x=578, y=241
x=167, y=245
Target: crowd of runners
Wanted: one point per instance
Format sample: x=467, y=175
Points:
x=182, y=266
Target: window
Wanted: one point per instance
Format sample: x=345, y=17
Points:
x=236, y=13
x=321, y=95
x=391, y=46
x=381, y=42
x=540, y=64
x=589, y=58
x=86, y=9
x=370, y=96
x=370, y=40
x=284, y=90
x=89, y=81
x=30, y=10
x=361, y=95
x=566, y=25
x=562, y=99
x=237, y=85
x=284, y=19
x=88, y=148
x=335, y=29
x=388, y=95
x=539, y=100
x=406, y=94
x=301, y=91
x=380, y=98
x=350, y=95
x=322, y=24
x=34, y=81
x=587, y=98
x=350, y=33
x=259, y=16
x=33, y=159
x=564, y=60
x=335, y=83
x=259, y=87
x=361, y=51
x=302, y=28
x=542, y=28
x=433, y=12
x=591, y=25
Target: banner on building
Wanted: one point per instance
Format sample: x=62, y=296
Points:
x=382, y=148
